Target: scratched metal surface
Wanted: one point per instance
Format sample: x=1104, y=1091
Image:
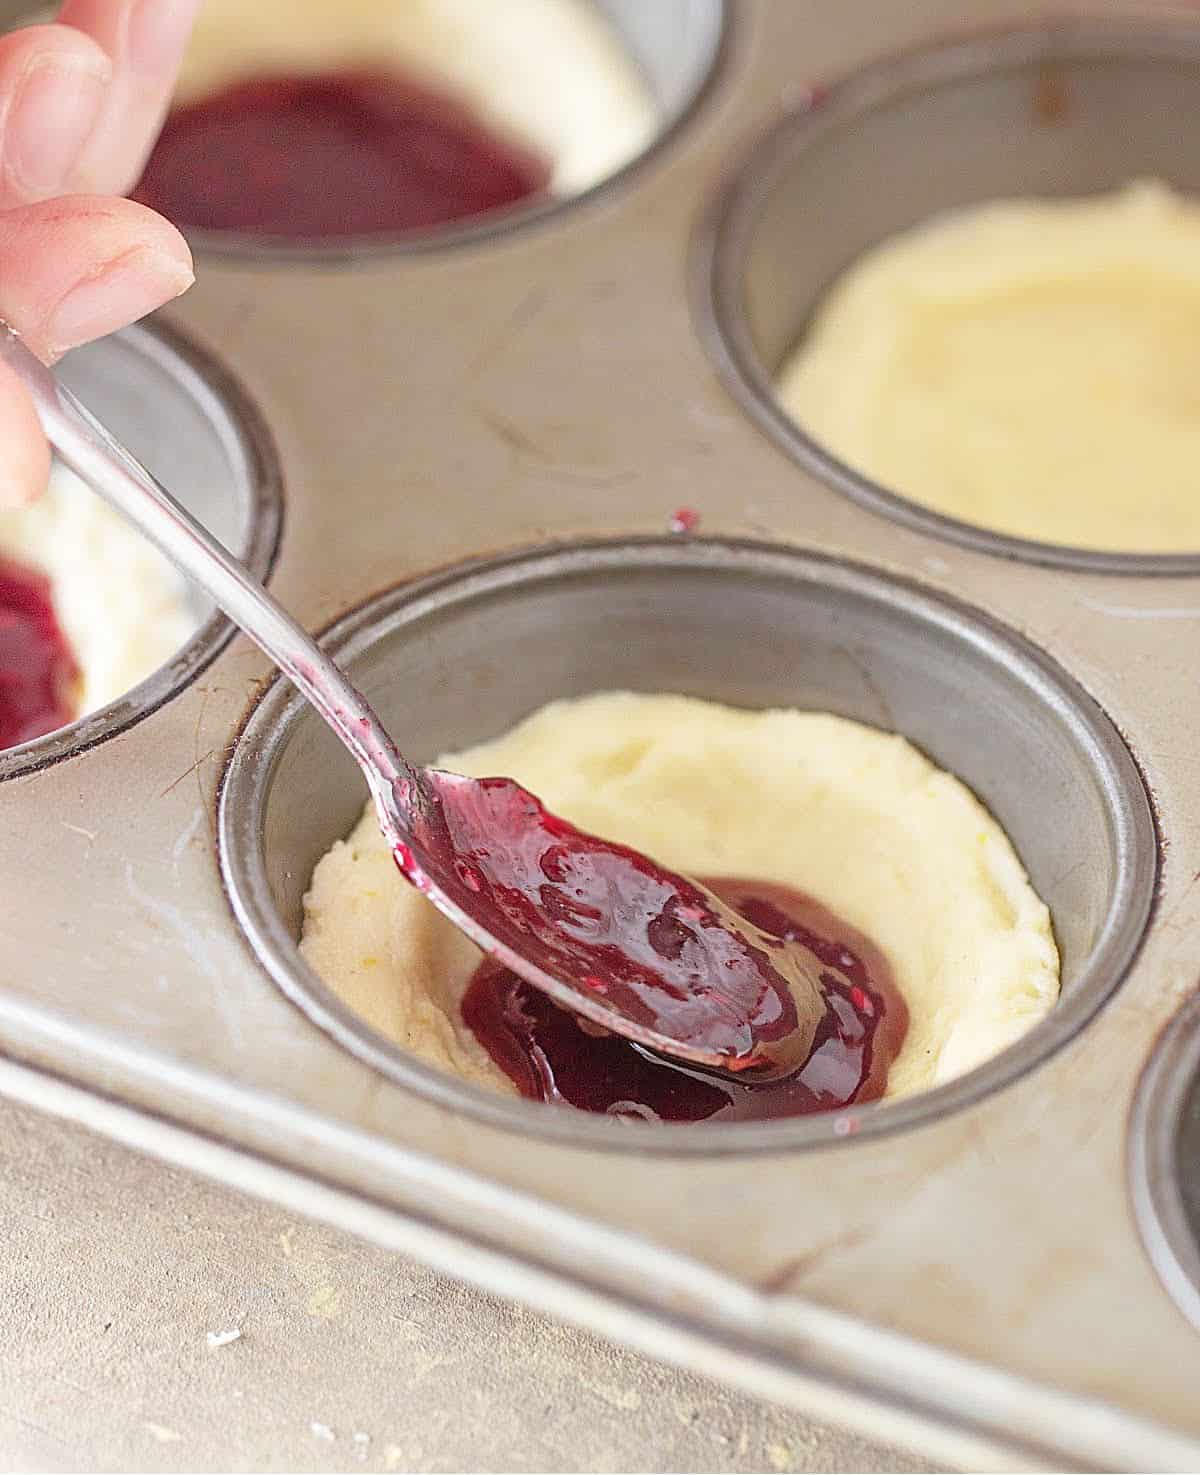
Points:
x=977, y=1286
x=347, y=1356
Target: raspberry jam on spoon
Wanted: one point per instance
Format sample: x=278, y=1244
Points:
x=663, y=953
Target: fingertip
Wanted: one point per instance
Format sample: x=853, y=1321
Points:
x=110, y=223
x=76, y=268
x=120, y=293
x=156, y=233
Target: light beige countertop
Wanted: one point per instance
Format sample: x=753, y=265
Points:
x=116, y=1269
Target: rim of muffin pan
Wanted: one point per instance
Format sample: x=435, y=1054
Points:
x=710, y=24
x=1164, y=1159
x=192, y=379
x=431, y=655
x=1039, y=61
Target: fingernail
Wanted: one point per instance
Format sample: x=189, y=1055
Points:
x=50, y=119
x=126, y=289
x=158, y=32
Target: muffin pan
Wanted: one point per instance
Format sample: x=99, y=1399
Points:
x=481, y=450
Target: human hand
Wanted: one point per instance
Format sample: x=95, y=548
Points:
x=81, y=102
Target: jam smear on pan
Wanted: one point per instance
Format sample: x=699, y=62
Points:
x=551, y=1055
x=684, y=520
x=337, y=154
x=37, y=667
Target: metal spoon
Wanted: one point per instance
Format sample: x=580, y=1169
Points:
x=607, y=933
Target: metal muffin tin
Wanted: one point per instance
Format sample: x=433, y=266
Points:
x=480, y=444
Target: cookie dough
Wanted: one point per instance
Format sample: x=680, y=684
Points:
x=551, y=73
x=855, y=817
x=1031, y=366
x=123, y=608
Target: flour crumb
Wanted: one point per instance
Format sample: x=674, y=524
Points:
x=223, y=1339
x=161, y=1432
x=322, y=1431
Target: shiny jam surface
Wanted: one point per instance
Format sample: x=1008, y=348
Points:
x=659, y=949
x=37, y=667
x=551, y=1055
x=338, y=154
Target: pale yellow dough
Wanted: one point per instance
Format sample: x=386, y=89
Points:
x=1031, y=366
x=855, y=817
x=550, y=73
x=123, y=608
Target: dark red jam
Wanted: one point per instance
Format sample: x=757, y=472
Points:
x=551, y=1055
x=630, y=937
x=340, y=154
x=37, y=668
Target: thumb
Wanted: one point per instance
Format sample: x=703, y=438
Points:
x=76, y=268
x=72, y=270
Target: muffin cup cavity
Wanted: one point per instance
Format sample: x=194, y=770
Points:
x=1055, y=110
x=1164, y=1159
x=458, y=658
x=674, y=46
x=182, y=414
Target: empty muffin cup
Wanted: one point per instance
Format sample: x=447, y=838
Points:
x=888, y=174
x=309, y=129
x=132, y=632
x=461, y=657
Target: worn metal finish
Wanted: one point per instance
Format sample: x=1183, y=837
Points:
x=951, y=1283
x=108, y=1367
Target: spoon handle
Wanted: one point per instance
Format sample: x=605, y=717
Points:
x=94, y=454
